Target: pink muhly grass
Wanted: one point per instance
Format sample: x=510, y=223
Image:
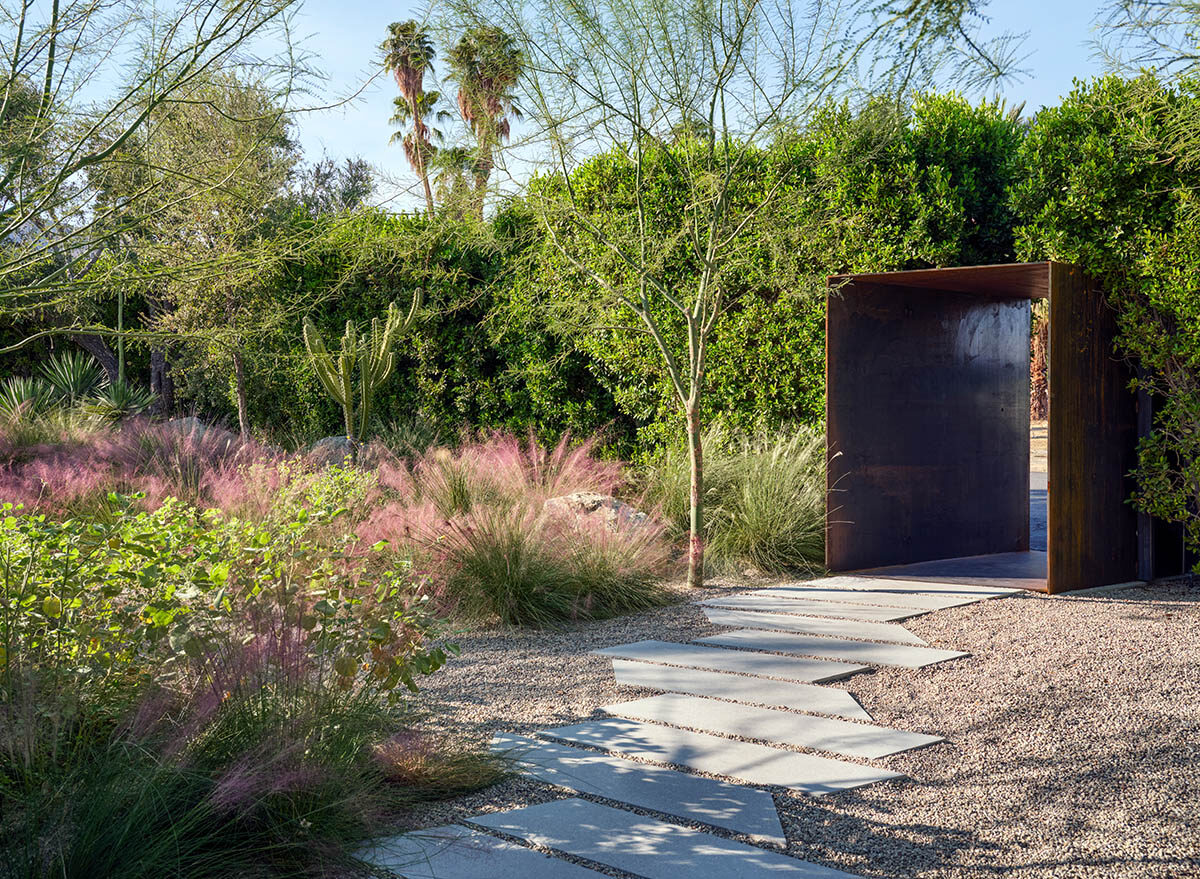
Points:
x=534, y=473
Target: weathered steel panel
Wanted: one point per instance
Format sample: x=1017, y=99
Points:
x=927, y=417
x=1029, y=280
x=1092, y=529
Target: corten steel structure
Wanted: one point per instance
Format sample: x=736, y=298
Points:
x=927, y=413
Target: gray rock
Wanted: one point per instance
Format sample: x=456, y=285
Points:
x=589, y=506
x=331, y=451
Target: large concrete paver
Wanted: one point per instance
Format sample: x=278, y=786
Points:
x=907, y=587
x=873, y=597
x=695, y=656
x=842, y=610
x=718, y=803
x=641, y=845
x=454, y=852
x=739, y=688
x=788, y=622
x=900, y=655
x=773, y=726
x=744, y=761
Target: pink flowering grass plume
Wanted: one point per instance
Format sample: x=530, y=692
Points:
x=530, y=472
x=204, y=466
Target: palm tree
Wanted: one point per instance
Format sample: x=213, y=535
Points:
x=486, y=64
x=408, y=53
x=419, y=150
x=453, y=169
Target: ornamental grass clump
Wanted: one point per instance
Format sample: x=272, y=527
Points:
x=476, y=521
x=765, y=496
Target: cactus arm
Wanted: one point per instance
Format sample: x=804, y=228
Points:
x=322, y=361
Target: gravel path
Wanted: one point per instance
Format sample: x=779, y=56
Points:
x=1074, y=734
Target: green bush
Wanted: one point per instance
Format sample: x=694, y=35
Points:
x=764, y=498
x=184, y=693
x=875, y=189
x=1109, y=182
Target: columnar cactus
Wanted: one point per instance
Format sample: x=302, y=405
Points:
x=371, y=354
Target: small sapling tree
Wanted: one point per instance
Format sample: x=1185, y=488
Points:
x=701, y=87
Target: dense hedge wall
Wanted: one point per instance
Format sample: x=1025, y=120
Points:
x=880, y=188
x=1109, y=181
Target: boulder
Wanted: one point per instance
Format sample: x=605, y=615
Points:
x=217, y=439
x=590, y=506
x=330, y=451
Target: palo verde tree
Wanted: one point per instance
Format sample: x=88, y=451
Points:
x=697, y=90
x=85, y=84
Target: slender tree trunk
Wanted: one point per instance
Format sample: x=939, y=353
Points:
x=695, y=573
x=422, y=169
x=483, y=170
x=1039, y=402
x=161, y=384
x=239, y=378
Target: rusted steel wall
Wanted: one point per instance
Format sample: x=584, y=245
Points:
x=927, y=418
x=1092, y=529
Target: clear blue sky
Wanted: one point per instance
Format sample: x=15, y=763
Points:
x=344, y=35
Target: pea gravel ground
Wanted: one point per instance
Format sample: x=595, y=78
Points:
x=1073, y=734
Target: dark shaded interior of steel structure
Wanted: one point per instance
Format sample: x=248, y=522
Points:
x=927, y=419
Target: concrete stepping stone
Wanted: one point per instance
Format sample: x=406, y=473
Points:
x=919, y=587
x=900, y=655
x=454, y=852
x=873, y=597
x=844, y=610
x=857, y=629
x=773, y=726
x=739, y=688
x=693, y=656
x=641, y=845
x=691, y=797
x=743, y=761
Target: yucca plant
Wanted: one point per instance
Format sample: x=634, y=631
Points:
x=23, y=397
x=365, y=360
x=73, y=376
x=120, y=400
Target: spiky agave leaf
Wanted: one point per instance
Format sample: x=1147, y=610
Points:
x=73, y=376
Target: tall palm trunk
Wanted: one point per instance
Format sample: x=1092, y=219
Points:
x=419, y=131
x=483, y=171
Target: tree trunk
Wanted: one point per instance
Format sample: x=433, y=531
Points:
x=161, y=384
x=239, y=378
x=423, y=170
x=1039, y=400
x=98, y=348
x=695, y=573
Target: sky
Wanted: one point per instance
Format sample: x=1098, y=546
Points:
x=343, y=38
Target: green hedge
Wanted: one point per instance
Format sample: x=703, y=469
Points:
x=1109, y=182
